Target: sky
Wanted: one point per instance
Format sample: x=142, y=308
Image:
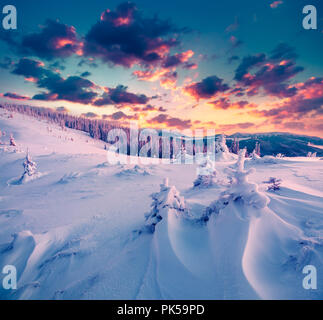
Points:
x=232, y=66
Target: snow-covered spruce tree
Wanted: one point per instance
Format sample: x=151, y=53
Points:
x=12, y=141
x=235, y=146
x=256, y=152
x=0, y=137
x=311, y=154
x=206, y=174
x=168, y=198
x=257, y=148
x=254, y=155
x=30, y=168
x=240, y=189
x=273, y=184
x=221, y=145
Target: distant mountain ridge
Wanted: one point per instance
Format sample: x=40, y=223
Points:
x=271, y=143
x=291, y=145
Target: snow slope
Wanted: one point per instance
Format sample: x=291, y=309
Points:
x=78, y=230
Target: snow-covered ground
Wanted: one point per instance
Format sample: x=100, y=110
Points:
x=83, y=228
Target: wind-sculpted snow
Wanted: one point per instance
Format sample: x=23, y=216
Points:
x=73, y=228
x=72, y=176
x=133, y=170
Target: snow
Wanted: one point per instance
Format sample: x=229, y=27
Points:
x=78, y=230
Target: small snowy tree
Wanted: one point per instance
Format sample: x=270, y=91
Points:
x=30, y=168
x=254, y=155
x=206, y=174
x=273, y=184
x=221, y=145
x=257, y=148
x=240, y=189
x=168, y=198
x=235, y=146
x=12, y=141
x=183, y=153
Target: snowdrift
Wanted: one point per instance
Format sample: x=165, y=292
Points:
x=73, y=228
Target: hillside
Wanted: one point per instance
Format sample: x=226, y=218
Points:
x=83, y=228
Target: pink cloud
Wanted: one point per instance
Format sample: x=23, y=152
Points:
x=275, y=4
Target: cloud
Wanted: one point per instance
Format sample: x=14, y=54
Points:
x=89, y=115
x=54, y=40
x=283, y=52
x=247, y=63
x=119, y=115
x=73, y=88
x=166, y=73
x=237, y=91
x=308, y=102
x=241, y=125
x=233, y=27
x=30, y=69
x=124, y=37
x=207, y=88
x=169, y=79
x=271, y=74
x=294, y=125
x=275, y=4
x=225, y=103
x=235, y=42
x=85, y=74
x=6, y=63
x=170, y=121
x=87, y=62
x=177, y=59
x=13, y=95
x=233, y=58
x=62, y=109
x=120, y=96
x=146, y=108
x=296, y=108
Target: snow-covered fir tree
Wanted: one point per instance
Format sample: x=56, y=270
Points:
x=257, y=148
x=235, y=146
x=256, y=152
x=183, y=153
x=311, y=154
x=30, y=168
x=273, y=184
x=12, y=141
x=168, y=198
x=206, y=174
x=221, y=145
x=240, y=189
